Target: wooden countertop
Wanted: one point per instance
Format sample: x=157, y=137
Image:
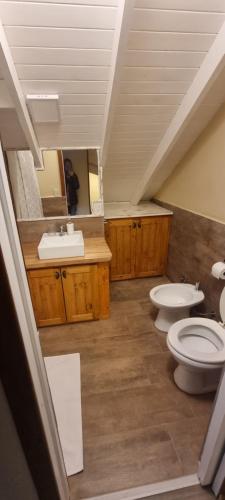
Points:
x=95, y=250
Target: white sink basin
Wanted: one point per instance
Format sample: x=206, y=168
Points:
x=53, y=246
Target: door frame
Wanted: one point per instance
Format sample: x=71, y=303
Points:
x=218, y=485
x=213, y=446
x=13, y=259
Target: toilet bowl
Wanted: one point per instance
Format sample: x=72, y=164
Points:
x=198, y=345
x=174, y=301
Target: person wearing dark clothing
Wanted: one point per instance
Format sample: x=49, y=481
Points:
x=72, y=185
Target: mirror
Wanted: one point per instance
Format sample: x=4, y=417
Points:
x=69, y=184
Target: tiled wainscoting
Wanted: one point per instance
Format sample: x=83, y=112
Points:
x=196, y=243
x=32, y=230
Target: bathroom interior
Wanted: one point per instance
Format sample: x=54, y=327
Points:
x=112, y=125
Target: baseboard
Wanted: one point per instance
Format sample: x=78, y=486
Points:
x=141, y=492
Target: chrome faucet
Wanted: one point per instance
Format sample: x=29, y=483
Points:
x=62, y=232
x=184, y=280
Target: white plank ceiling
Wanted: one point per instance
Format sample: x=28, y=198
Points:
x=167, y=43
x=65, y=47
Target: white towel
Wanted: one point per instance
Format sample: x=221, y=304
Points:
x=63, y=374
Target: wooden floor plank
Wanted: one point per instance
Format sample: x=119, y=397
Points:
x=139, y=428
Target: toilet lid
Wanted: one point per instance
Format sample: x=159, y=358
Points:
x=198, y=339
x=222, y=305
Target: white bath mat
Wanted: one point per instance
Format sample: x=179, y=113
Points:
x=63, y=374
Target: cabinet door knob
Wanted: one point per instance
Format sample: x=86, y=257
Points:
x=57, y=275
x=139, y=224
x=64, y=273
x=134, y=225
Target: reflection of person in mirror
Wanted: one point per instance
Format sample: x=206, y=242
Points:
x=72, y=185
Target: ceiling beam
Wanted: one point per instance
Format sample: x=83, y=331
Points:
x=124, y=15
x=160, y=166
x=5, y=98
x=9, y=74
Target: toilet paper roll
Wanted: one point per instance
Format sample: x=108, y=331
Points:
x=218, y=270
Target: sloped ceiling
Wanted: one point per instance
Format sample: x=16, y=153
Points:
x=167, y=43
x=66, y=47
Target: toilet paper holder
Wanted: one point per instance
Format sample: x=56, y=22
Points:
x=218, y=270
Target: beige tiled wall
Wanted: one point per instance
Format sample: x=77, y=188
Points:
x=32, y=230
x=196, y=243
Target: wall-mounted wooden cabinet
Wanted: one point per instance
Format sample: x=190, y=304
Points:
x=70, y=293
x=139, y=246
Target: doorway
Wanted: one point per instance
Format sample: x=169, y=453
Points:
x=124, y=327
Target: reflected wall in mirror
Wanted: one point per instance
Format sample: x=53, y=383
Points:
x=68, y=185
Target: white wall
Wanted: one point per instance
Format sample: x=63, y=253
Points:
x=94, y=187
x=197, y=183
x=49, y=178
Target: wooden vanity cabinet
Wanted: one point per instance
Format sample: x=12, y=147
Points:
x=47, y=296
x=120, y=235
x=80, y=286
x=139, y=246
x=70, y=293
x=152, y=238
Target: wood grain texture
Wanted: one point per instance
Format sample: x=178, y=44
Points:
x=121, y=236
x=80, y=286
x=69, y=294
x=152, y=246
x=133, y=414
x=95, y=250
x=103, y=284
x=83, y=288
x=31, y=231
x=139, y=246
x=47, y=296
x=196, y=243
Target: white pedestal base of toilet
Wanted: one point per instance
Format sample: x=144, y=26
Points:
x=194, y=381
x=166, y=318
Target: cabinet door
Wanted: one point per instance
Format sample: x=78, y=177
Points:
x=80, y=286
x=120, y=236
x=152, y=246
x=47, y=296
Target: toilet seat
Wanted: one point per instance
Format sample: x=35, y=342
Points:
x=198, y=339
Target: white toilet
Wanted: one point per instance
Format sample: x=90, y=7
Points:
x=198, y=345
x=174, y=301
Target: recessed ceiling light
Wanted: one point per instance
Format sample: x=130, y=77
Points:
x=43, y=108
